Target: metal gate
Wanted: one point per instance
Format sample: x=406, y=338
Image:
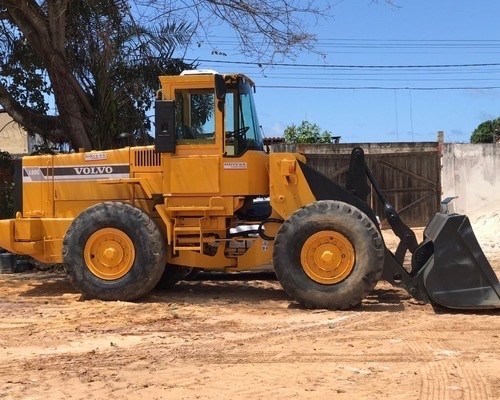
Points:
x=408, y=173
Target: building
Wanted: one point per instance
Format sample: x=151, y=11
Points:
x=13, y=138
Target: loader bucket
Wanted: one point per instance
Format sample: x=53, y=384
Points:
x=458, y=275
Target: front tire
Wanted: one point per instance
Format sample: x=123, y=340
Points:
x=328, y=254
x=114, y=251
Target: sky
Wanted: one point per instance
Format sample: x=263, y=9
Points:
x=384, y=74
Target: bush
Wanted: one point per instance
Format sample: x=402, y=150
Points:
x=306, y=132
x=6, y=185
x=486, y=132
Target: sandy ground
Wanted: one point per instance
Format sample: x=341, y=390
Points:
x=240, y=339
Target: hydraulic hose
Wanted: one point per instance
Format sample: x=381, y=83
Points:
x=260, y=230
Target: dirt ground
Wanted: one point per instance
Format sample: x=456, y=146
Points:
x=239, y=339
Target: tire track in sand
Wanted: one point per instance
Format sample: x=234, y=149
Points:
x=452, y=380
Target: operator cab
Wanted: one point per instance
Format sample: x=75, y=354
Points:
x=209, y=138
x=207, y=109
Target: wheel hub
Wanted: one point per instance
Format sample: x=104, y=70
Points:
x=109, y=253
x=327, y=257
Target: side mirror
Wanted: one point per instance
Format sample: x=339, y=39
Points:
x=220, y=88
x=165, y=138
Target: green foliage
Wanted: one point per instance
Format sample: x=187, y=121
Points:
x=6, y=185
x=486, y=131
x=306, y=132
x=39, y=149
x=21, y=70
x=105, y=81
x=98, y=61
x=7, y=199
x=5, y=160
x=119, y=66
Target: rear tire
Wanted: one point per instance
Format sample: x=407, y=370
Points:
x=114, y=251
x=328, y=254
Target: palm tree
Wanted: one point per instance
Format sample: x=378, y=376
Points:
x=98, y=63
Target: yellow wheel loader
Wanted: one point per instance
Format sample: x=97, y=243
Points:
x=207, y=195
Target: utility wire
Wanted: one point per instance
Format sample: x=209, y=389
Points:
x=408, y=75
x=262, y=64
x=378, y=87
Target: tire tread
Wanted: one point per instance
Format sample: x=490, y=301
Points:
x=291, y=275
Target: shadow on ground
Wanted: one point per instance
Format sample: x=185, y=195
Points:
x=210, y=288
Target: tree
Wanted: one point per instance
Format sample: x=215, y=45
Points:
x=264, y=29
x=6, y=185
x=306, y=132
x=486, y=132
x=100, y=61
x=99, y=64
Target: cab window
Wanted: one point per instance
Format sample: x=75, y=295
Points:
x=242, y=130
x=195, y=116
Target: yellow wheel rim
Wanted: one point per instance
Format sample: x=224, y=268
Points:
x=327, y=257
x=109, y=254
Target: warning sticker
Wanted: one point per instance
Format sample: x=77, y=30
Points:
x=265, y=245
x=95, y=156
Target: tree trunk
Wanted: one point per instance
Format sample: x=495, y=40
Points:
x=45, y=31
x=71, y=115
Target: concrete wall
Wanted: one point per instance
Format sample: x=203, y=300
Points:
x=471, y=172
x=346, y=148
x=13, y=138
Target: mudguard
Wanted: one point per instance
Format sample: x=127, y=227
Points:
x=458, y=275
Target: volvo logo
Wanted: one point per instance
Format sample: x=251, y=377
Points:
x=98, y=170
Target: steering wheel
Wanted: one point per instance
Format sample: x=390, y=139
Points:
x=239, y=134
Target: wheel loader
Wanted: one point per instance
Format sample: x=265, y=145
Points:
x=209, y=196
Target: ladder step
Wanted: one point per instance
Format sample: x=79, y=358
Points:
x=187, y=229
x=193, y=248
x=195, y=208
x=191, y=235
